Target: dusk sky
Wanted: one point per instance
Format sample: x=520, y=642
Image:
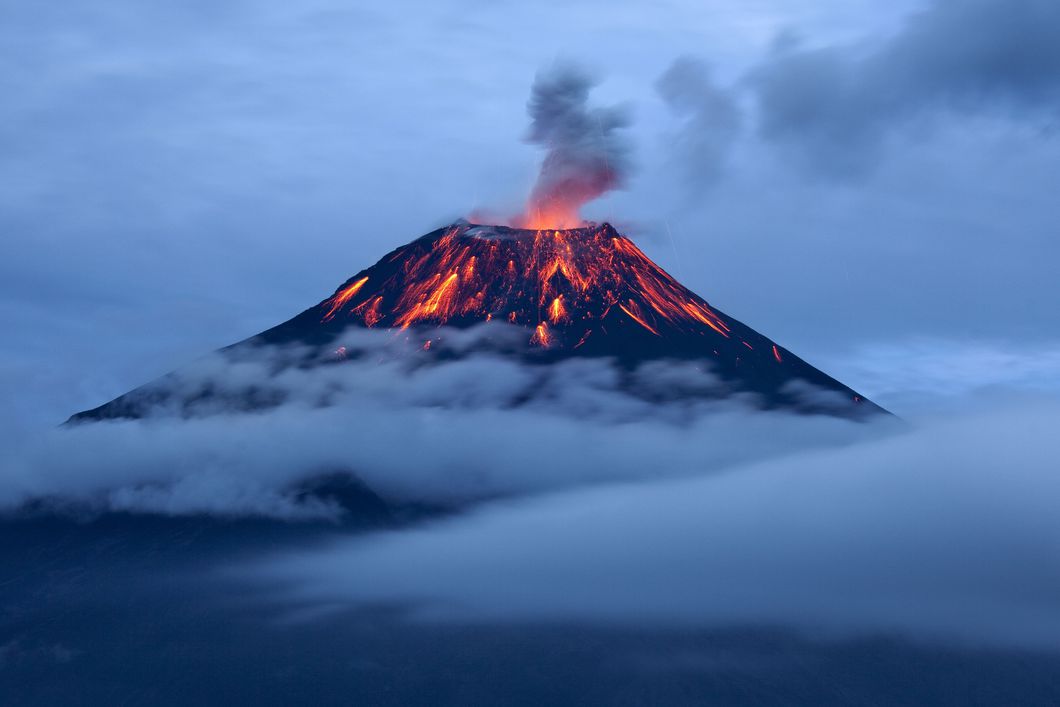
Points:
x=870, y=186
x=873, y=187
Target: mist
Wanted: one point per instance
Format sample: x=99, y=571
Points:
x=944, y=533
x=448, y=434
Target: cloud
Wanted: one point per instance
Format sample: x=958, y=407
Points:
x=835, y=106
x=711, y=119
x=477, y=427
x=948, y=531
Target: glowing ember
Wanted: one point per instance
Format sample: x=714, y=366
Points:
x=557, y=313
x=541, y=336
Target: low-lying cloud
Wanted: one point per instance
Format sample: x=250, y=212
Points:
x=587, y=493
x=477, y=427
x=947, y=531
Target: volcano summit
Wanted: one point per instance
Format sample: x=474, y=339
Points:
x=585, y=292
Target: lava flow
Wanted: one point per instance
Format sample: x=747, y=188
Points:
x=584, y=292
x=563, y=285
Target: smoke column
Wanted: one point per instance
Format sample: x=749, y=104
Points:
x=585, y=156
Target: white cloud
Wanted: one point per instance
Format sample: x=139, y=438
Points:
x=947, y=531
x=451, y=433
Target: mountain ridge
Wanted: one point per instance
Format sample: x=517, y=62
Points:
x=586, y=292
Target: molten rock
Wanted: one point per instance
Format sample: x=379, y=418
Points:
x=584, y=292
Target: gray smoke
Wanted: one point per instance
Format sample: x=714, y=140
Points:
x=585, y=156
x=835, y=107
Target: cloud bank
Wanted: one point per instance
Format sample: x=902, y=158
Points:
x=477, y=427
x=948, y=531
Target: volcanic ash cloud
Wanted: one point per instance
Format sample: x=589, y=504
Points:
x=585, y=156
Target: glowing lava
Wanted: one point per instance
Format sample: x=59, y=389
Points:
x=552, y=213
x=561, y=284
x=586, y=293
x=343, y=297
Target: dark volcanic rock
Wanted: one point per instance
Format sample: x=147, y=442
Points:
x=578, y=293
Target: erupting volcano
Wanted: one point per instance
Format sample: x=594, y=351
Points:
x=581, y=292
x=571, y=289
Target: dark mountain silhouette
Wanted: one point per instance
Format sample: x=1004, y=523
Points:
x=586, y=292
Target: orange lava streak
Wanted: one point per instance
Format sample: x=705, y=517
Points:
x=562, y=279
x=557, y=313
x=664, y=294
x=371, y=310
x=560, y=260
x=541, y=336
x=776, y=354
x=343, y=297
x=633, y=306
x=436, y=305
x=673, y=306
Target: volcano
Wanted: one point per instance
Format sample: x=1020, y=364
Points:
x=585, y=292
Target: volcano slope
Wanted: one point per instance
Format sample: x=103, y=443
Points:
x=542, y=297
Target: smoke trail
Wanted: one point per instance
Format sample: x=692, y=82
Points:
x=585, y=156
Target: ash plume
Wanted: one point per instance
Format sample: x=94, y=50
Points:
x=710, y=115
x=585, y=154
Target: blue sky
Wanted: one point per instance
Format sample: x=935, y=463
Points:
x=176, y=176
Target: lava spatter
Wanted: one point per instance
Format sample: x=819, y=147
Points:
x=570, y=280
x=585, y=292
